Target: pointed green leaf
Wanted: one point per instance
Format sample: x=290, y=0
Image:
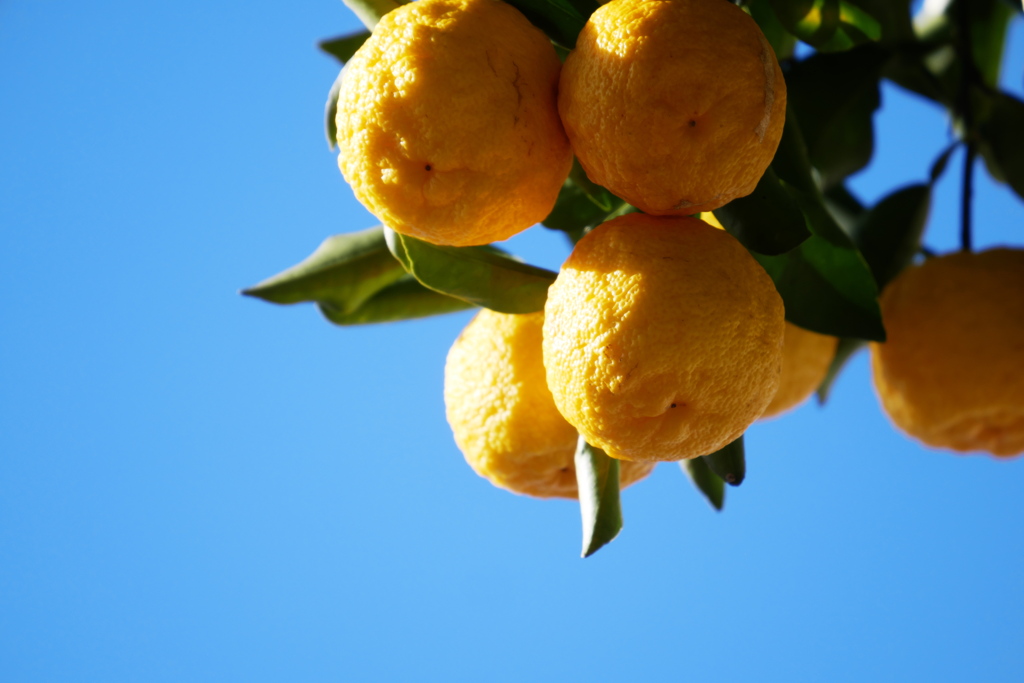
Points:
x=597, y=478
x=844, y=207
x=574, y=211
x=559, y=19
x=483, y=276
x=343, y=47
x=844, y=351
x=344, y=271
x=1002, y=141
x=890, y=233
x=706, y=481
x=729, y=462
x=370, y=11
x=768, y=220
x=402, y=300
x=835, y=97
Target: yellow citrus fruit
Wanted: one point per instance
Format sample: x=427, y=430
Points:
x=677, y=106
x=806, y=356
x=951, y=372
x=448, y=126
x=662, y=338
x=502, y=414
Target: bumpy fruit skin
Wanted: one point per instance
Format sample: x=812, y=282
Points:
x=677, y=106
x=806, y=356
x=662, y=338
x=951, y=371
x=448, y=126
x=502, y=414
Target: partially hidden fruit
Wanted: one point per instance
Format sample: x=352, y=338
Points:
x=677, y=106
x=806, y=357
x=448, y=127
x=502, y=414
x=662, y=338
x=951, y=371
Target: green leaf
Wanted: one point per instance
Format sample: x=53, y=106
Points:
x=768, y=220
x=781, y=40
x=729, y=462
x=835, y=97
x=574, y=212
x=559, y=19
x=597, y=478
x=331, y=112
x=344, y=272
x=989, y=20
x=370, y=11
x=844, y=207
x=889, y=235
x=891, y=17
x=844, y=351
x=812, y=21
x=1002, y=141
x=402, y=300
x=706, y=481
x=483, y=276
x=343, y=47
x=825, y=283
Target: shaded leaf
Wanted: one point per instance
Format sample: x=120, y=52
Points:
x=889, y=235
x=940, y=163
x=706, y=481
x=574, y=212
x=1002, y=140
x=844, y=351
x=891, y=16
x=483, y=276
x=344, y=272
x=781, y=40
x=812, y=21
x=729, y=462
x=343, y=47
x=835, y=97
x=597, y=478
x=561, y=20
x=402, y=300
x=331, y=111
x=601, y=197
x=844, y=207
x=768, y=220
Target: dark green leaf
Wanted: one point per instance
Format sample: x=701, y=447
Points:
x=559, y=19
x=891, y=16
x=940, y=163
x=890, y=233
x=574, y=211
x=483, y=276
x=767, y=221
x=602, y=198
x=729, y=462
x=343, y=47
x=781, y=40
x=989, y=20
x=331, y=112
x=343, y=272
x=706, y=481
x=402, y=300
x=1002, y=141
x=844, y=351
x=791, y=163
x=835, y=97
x=844, y=207
x=597, y=478
x=856, y=27
x=812, y=21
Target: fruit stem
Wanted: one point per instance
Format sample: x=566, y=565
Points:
x=370, y=11
x=968, y=192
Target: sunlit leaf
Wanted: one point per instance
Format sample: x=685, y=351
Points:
x=729, y=462
x=402, y=300
x=483, y=276
x=812, y=21
x=597, y=478
x=706, y=481
x=343, y=272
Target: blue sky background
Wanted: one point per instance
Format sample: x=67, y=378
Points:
x=195, y=486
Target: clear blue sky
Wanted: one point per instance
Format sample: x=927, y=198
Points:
x=200, y=487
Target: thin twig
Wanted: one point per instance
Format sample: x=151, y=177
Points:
x=969, y=77
x=968, y=192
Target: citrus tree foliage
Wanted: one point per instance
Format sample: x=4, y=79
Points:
x=828, y=254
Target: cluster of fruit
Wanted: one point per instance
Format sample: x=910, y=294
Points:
x=661, y=338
